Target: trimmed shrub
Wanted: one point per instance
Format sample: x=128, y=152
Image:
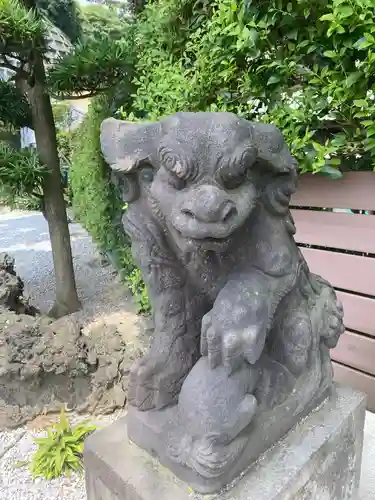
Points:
x=306, y=67
x=96, y=204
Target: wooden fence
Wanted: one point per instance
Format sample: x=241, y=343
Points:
x=341, y=247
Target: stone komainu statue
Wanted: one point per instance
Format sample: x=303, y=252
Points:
x=242, y=328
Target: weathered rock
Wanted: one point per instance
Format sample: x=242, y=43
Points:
x=46, y=363
x=11, y=288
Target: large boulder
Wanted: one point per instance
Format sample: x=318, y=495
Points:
x=11, y=288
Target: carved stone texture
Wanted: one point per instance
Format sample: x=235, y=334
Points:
x=242, y=328
x=319, y=459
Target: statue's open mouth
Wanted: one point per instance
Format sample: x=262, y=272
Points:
x=204, y=232
x=201, y=238
x=209, y=239
x=203, y=242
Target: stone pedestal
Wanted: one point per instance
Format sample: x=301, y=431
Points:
x=320, y=459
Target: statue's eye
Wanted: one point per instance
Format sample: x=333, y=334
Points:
x=237, y=168
x=176, y=182
x=169, y=161
x=147, y=174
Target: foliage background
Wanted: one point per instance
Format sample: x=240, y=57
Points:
x=306, y=67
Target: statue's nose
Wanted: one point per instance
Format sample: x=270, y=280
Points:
x=209, y=204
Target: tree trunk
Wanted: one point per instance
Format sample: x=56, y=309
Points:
x=54, y=204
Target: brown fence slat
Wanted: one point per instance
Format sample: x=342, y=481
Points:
x=359, y=313
x=355, y=190
x=348, y=272
x=357, y=380
x=356, y=351
x=335, y=230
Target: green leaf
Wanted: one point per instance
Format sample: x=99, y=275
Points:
x=332, y=172
x=311, y=48
x=14, y=107
x=330, y=54
x=58, y=464
x=335, y=161
x=360, y=103
x=63, y=424
x=303, y=44
x=345, y=11
x=353, y=78
x=327, y=17
x=20, y=28
x=273, y=79
x=253, y=35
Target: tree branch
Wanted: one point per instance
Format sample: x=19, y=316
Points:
x=77, y=97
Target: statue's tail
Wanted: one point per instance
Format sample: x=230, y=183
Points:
x=211, y=458
x=207, y=456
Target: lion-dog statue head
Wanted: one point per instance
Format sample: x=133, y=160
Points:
x=203, y=172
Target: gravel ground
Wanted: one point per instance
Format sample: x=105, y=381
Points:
x=24, y=235
x=16, y=482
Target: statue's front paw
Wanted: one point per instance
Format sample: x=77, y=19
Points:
x=156, y=379
x=144, y=384
x=229, y=338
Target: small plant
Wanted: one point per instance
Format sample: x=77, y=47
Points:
x=138, y=289
x=21, y=173
x=60, y=452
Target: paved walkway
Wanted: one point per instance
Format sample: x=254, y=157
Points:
x=367, y=491
x=24, y=235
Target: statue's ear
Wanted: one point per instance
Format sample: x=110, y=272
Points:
x=126, y=145
x=274, y=154
x=272, y=149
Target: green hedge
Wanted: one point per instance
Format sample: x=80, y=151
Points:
x=95, y=202
x=307, y=67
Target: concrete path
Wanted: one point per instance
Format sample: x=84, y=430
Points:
x=367, y=491
x=24, y=235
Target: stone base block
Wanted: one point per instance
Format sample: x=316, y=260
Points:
x=319, y=459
